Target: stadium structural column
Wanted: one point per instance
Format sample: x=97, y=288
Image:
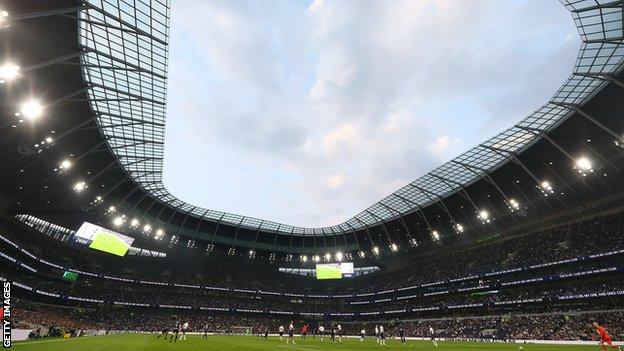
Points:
x=383, y=226
x=279, y=225
x=461, y=190
x=370, y=237
x=558, y=147
x=257, y=233
x=214, y=232
x=238, y=225
x=484, y=174
x=514, y=158
x=354, y=235
x=401, y=220
x=582, y=113
x=181, y=227
x=419, y=212
x=438, y=200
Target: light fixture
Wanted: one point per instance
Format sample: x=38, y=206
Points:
x=362, y=254
x=514, y=204
x=484, y=215
x=584, y=166
x=112, y=209
x=327, y=256
x=459, y=227
x=159, y=234
x=251, y=253
x=49, y=139
x=546, y=188
x=316, y=258
x=436, y=235
x=118, y=221
x=31, y=109
x=304, y=258
x=80, y=186
x=394, y=247
x=8, y=72
x=147, y=228
x=134, y=222
x=338, y=256
x=65, y=164
x=375, y=250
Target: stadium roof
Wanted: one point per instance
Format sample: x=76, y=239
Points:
x=101, y=67
x=126, y=66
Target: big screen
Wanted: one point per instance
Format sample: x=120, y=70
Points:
x=333, y=270
x=103, y=239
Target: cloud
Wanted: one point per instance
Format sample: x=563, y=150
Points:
x=308, y=113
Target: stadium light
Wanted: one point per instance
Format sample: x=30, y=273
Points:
x=362, y=254
x=513, y=205
x=252, y=253
x=134, y=222
x=484, y=216
x=436, y=235
x=65, y=164
x=316, y=258
x=8, y=72
x=327, y=256
x=112, y=209
x=49, y=139
x=459, y=227
x=80, y=186
x=147, y=228
x=339, y=256
x=546, y=188
x=375, y=250
x=584, y=166
x=118, y=221
x=394, y=247
x=31, y=109
x=413, y=242
x=304, y=258
x=159, y=234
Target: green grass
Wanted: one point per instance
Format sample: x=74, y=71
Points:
x=138, y=342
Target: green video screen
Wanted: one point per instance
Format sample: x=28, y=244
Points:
x=70, y=276
x=328, y=271
x=110, y=243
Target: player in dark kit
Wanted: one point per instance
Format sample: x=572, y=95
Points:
x=205, y=331
x=333, y=334
x=402, y=333
x=266, y=333
x=164, y=333
x=176, y=331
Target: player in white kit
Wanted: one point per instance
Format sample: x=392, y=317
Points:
x=377, y=333
x=362, y=334
x=321, y=330
x=281, y=332
x=291, y=333
x=339, y=327
x=185, y=327
x=382, y=335
x=432, y=334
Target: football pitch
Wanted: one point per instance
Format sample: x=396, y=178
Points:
x=148, y=342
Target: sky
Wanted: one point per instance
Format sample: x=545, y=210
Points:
x=308, y=112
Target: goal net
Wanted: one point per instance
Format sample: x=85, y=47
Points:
x=242, y=330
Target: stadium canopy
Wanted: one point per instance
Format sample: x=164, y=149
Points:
x=109, y=120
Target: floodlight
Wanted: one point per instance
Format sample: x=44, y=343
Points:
x=328, y=256
x=80, y=186
x=362, y=254
x=338, y=256
x=375, y=250
x=49, y=140
x=513, y=204
x=8, y=72
x=484, y=215
x=459, y=227
x=65, y=164
x=31, y=109
x=112, y=209
x=147, y=228
x=134, y=222
x=436, y=235
x=118, y=221
x=304, y=258
x=394, y=247
x=316, y=258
